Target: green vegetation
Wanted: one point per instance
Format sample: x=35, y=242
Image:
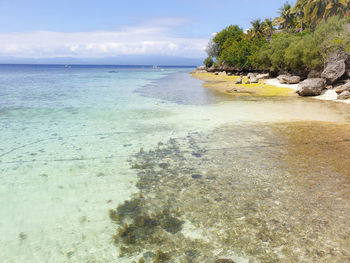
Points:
x=208, y=62
x=296, y=41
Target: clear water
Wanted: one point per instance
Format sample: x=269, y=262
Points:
x=68, y=136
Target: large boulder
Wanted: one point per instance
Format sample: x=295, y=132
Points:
x=252, y=75
x=333, y=71
x=347, y=73
x=314, y=74
x=288, y=79
x=342, y=88
x=254, y=79
x=202, y=68
x=263, y=76
x=345, y=95
x=311, y=87
x=222, y=73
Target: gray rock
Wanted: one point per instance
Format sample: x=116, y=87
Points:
x=254, y=80
x=333, y=71
x=314, y=74
x=263, y=76
x=288, y=79
x=202, y=68
x=345, y=95
x=216, y=73
x=348, y=73
x=251, y=75
x=239, y=81
x=223, y=73
x=311, y=87
x=247, y=82
x=229, y=74
x=342, y=88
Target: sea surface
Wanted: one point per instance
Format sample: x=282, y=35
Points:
x=121, y=164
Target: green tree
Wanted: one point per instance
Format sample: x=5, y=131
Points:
x=286, y=19
x=230, y=33
x=208, y=62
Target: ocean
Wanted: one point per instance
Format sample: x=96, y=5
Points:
x=213, y=176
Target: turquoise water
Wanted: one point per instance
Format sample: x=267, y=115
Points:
x=69, y=136
x=66, y=135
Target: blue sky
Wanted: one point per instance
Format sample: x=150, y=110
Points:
x=107, y=28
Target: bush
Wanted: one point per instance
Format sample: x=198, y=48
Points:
x=208, y=62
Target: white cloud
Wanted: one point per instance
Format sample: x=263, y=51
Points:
x=153, y=37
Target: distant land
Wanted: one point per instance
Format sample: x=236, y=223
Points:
x=118, y=60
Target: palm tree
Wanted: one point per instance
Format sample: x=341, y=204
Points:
x=336, y=7
x=257, y=28
x=268, y=27
x=286, y=16
x=298, y=11
x=314, y=10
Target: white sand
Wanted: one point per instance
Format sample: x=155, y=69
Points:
x=326, y=94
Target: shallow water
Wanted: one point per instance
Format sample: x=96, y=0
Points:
x=218, y=177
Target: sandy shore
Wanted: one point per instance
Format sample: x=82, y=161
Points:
x=326, y=94
x=268, y=87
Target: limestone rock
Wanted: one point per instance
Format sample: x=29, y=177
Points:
x=314, y=74
x=223, y=73
x=216, y=73
x=348, y=73
x=345, y=95
x=333, y=71
x=263, y=76
x=251, y=75
x=202, y=68
x=254, y=79
x=342, y=88
x=311, y=87
x=287, y=79
x=239, y=81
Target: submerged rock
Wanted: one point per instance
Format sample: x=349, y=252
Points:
x=333, y=71
x=311, y=87
x=224, y=260
x=196, y=176
x=345, y=95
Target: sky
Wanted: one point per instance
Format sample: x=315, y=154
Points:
x=86, y=29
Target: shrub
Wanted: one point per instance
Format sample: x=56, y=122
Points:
x=208, y=62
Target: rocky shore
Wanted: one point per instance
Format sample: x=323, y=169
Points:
x=331, y=83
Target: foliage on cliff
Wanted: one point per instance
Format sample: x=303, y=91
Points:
x=297, y=41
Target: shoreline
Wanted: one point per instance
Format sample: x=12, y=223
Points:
x=266, y=87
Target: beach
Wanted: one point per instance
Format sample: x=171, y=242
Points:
x=106, y=164
x=266, y=87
